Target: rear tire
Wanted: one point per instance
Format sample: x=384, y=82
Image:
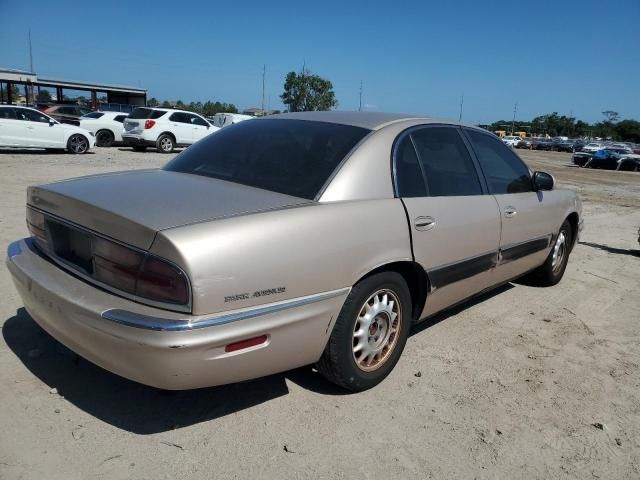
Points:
x=165, y=143
x=552, y=270
x=77, y=144
x=369, y=334
x=104, y=138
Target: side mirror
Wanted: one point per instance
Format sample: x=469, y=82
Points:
x=542, y=181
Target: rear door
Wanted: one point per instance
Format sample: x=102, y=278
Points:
x=454, y=222
x=527, y=225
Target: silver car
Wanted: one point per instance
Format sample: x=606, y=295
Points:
x=297, y=239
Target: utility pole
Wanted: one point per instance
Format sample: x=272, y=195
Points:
x=264, y=73
x=461, y=104
x=360, y=107
x=513, y=122
x=30, y=54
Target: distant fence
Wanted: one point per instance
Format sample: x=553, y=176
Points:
x=117, y=107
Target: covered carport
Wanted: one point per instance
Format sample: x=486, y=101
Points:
x=119, y=97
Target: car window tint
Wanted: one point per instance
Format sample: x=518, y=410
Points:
x=144, y=113
x=286, y=156
x=447, y=165
x=180, y=117
x=504, y=171
x=93, y=115
x=8, y=114
x=119, y=118
x=31, y=116
x=199, y=121
x=409, y=179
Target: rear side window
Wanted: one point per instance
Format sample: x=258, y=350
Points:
x=446, y=163
x=93, y=115
x=180, y=117
x=409, y=179
x=8, y=114
x=119, y=118
x=504, y=171
x=293, y=157
x=146, y=113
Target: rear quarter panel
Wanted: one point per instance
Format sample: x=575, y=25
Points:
x=286, y=253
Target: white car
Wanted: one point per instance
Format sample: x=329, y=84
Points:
x=164, y=129
x=106, y=126
x=25, y=127
x=226, y=119
x=593, y=147
x=511, y=141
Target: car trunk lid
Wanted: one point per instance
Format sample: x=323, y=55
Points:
x=132, y=206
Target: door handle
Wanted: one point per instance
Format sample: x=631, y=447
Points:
x=510, y=212
x=424, y=223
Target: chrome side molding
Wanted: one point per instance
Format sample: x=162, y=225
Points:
x=146, y=322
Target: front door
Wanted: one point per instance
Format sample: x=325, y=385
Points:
x=527, y=226
x=40, y=132
x=454, y=222
x=200, y=128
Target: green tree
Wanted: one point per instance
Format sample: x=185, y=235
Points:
x=611, y=116
x=306, y=92
x=43, y=96
x=153, y=102
x=628, y=130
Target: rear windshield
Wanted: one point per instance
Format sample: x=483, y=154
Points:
x=145, y=113
x=93, y=115
x=293, y=157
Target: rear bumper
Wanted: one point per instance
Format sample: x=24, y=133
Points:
x=164, y=349
x=137, y=141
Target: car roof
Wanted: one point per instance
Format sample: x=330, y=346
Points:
x=368, y=120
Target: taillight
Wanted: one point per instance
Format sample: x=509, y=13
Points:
x=35, y=224
x=149, y=124
x=137, y=273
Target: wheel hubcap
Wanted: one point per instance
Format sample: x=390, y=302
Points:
x=165, y=143
x=559, y=251
x=376, y=330
x=78, y=144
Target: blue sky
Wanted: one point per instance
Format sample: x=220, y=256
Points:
x=579, y=57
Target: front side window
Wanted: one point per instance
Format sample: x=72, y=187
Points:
x=446, y=163
x=293, y=157
x=196, y=120
x=31, y=116
x=504, y=171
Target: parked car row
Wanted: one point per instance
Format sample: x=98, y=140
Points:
x=618, y=157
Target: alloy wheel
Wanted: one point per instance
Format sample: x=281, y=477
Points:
x=559, y=251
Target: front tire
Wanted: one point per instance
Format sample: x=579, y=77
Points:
x=369, y=334
x=165, y=143
x=78, y=144
x=552, y=270
x=104, y=138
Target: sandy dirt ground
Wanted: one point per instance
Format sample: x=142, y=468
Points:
x=521, y=383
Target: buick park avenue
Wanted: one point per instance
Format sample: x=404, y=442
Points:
x=297, y=239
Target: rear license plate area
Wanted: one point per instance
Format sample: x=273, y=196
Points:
x=72, y=246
